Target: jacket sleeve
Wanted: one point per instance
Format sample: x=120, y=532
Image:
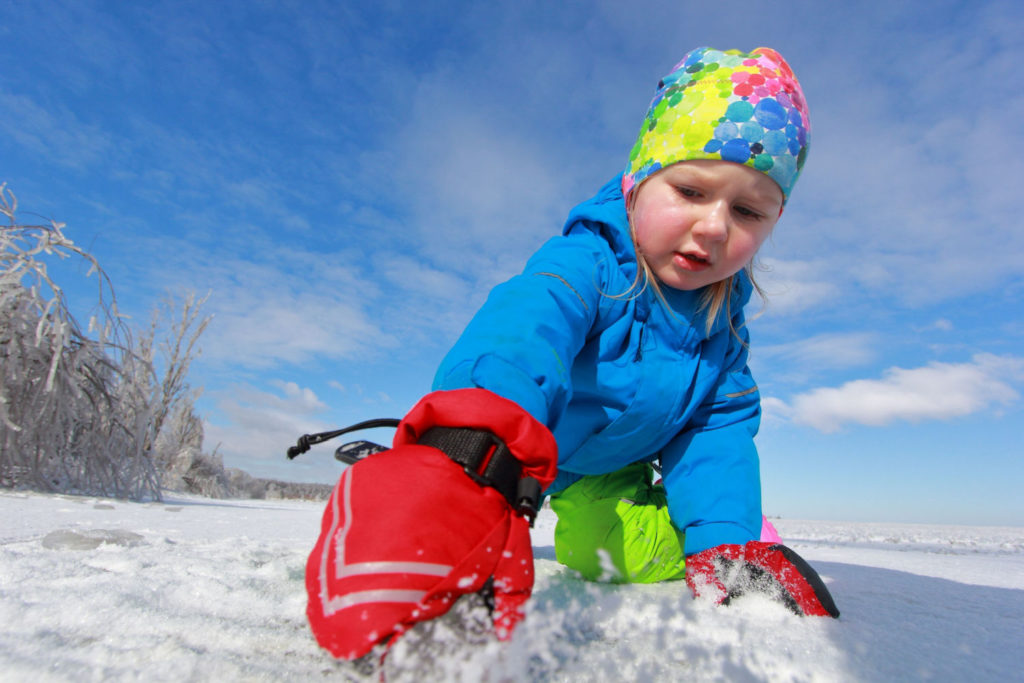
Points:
x=711, y=469
x=522, y=342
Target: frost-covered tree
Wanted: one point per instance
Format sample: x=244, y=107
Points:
x=85, y=410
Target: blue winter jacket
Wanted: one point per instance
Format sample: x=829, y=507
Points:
x=621, y=379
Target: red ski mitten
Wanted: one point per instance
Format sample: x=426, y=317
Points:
x=772, y=569
x=409, y=530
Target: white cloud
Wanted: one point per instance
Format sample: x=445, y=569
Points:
x=906, y=197
x=941, y=325
x=254, y=428
x=298, y=398
x=257, y=425
x=413, y=274
x=264, y=327
x=793, y=286
x=797, y=361
x=358, y=392
x=492, y=150
x=477, y=188
x=938, y=391
x=774, y=409
x=55, y=134
x=279, y=304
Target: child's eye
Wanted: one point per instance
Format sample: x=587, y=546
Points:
x=748, y=213
x=687, y=192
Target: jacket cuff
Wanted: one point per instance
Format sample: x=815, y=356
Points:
x=497, y=375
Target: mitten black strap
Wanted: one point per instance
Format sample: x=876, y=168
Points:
x=488, y=461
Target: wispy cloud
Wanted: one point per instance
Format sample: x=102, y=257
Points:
x=255, y=426
x=53, y=133
x=477, y=189
x=940, y=324
x=904, y=195
x=803, y=359
x=792, y=287
x=938, y=391
x=263, y=329
x=275, y=304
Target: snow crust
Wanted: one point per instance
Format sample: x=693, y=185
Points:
x=199, y=589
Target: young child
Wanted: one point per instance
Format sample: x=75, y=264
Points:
x=621, y=345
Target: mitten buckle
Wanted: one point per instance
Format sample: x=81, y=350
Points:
x=487, y=460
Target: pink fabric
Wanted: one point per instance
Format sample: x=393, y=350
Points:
x=768, y=532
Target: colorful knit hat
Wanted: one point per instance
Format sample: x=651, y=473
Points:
x=732, y=106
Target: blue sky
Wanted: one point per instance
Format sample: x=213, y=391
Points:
x=348, y=180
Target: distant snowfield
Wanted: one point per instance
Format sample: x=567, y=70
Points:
x=193, y=589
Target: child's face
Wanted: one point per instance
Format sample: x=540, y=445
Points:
x=699, y=222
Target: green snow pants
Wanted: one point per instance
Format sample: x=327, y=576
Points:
x=615, y=527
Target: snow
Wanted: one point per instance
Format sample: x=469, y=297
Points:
x=199, y=589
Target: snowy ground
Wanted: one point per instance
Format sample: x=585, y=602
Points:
x=196, y=589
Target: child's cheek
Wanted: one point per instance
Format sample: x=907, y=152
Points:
x=640, y=225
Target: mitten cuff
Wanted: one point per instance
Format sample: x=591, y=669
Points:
x=529, y=441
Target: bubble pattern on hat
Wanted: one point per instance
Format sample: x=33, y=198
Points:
x=726, y=105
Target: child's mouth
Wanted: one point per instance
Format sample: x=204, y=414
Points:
x=691, y=261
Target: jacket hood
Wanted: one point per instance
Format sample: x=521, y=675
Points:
x=605, y=214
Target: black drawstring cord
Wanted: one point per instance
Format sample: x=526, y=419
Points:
x=308, y=440
x=484, y=458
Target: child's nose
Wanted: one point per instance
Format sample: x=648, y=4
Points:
x=713, y=224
